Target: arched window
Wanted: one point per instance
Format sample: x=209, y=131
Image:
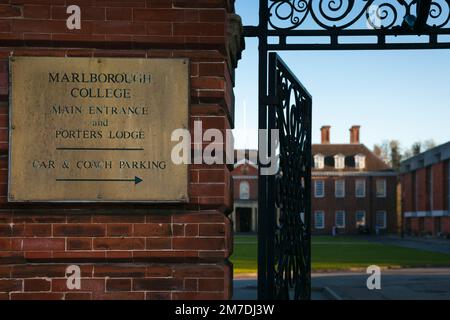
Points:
x=244, y=190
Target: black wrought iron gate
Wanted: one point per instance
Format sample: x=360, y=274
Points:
x=284, y=199
x=288, y=236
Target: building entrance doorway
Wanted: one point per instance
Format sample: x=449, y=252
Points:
x=244, y=219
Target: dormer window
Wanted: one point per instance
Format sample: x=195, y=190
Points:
x=360, y=161
x=339, y=161
x=319, y=161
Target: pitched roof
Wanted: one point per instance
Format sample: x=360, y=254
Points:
x=373, y=162
x=437, y=154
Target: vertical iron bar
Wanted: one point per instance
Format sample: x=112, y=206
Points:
x=262, y=180
x=271, y=209
x=308, y=186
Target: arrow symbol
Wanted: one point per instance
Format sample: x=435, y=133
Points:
x=136, y=180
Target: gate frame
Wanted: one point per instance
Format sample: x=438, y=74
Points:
x=266, y=184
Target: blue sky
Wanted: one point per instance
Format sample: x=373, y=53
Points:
x=403, y=95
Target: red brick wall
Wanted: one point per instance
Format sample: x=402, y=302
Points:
x=417, y=193
x=421, y=189
x=445, y=225
x=407, y=192
x=158, y=252
x=446, y=176
x=350, y=204
x=414, y=224
x=429, y=225
x=110, y=281
x=439, y=182
x=125, y=251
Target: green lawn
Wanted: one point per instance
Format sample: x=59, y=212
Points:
x=342, y=253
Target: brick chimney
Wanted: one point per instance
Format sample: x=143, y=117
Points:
x=354, y=134
x=325, y=134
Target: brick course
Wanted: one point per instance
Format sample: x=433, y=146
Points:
x=117, y=281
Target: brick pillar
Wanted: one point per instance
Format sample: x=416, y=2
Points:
x=125, y=251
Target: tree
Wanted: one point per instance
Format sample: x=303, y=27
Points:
x=389, y=152
x=416, y=148
x=428, y=144
x=382, y=150
x=377, y=150
x=407, y=154
x=395, y=154
x=419, y=147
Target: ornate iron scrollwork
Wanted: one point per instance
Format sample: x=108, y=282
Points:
x=292, y=199
x=356, y=14
x=284, y=243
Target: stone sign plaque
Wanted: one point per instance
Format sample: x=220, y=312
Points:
x=96, y=129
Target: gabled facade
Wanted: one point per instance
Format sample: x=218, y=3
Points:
x=245, y=184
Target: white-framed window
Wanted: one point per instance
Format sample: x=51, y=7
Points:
x=381, y=188
x=339, y=188
x=244, y=190
x=319, y=188
x=340, y=219
x=319, y=220
x=360, y=218
x=339, y=161
x=319, y=161
x=360, y=188
x=380, y=221
x=360, y=161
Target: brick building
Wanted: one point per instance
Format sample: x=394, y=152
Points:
x=426, y=192
x=245, y=183
x=125, y=250
x=353, y=189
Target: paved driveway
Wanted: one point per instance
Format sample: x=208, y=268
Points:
x=402, y=284
x=433, y=245
x=245, y=289
x=409, y=284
